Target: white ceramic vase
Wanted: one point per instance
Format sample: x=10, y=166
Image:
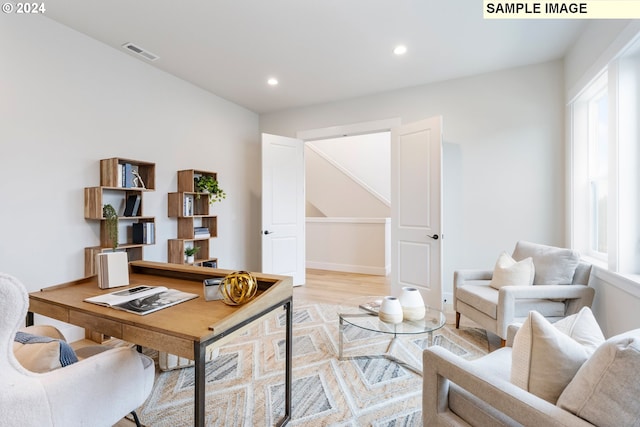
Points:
x=191, y=259
x=390, y=310
x=412, y=303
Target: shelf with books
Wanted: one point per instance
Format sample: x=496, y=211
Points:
x=195, y=223
x=126, y=173
x=126, y=198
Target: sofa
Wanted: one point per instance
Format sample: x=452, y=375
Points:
x=562, y=374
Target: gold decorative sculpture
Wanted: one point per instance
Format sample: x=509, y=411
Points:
x=238, y=287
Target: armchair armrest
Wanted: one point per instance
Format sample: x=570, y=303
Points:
x=119, y=372
x=441, y=366
x=461, y=276
x=580, y=296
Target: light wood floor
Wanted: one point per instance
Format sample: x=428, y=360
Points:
x=333, y=287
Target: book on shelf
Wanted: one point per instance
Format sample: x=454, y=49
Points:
x=201, y=233
x=132, y=205
x=143, y=233
x=372, y=307
x=188, y=205
x=120, y=177
x=127, y=176
x=210, y=264
x=142, y=299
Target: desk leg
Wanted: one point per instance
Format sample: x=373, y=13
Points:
x=29, y=319
x=199, y=351
x=288, y=369
x=289, y=364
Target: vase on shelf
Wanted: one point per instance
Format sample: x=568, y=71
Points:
x=390, y=310
x=412, y=303
x=191, y=259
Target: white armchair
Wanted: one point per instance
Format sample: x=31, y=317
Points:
x=560, y=288
x=458, y=392
x=97, y=391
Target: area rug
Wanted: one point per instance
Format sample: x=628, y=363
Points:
x=245, y=378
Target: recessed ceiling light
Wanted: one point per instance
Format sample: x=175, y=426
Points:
x=272, y=81
x=400, y=50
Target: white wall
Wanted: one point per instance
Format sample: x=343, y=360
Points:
x=356, y=245
x=503, y=154
x=67, y=101
x=334, y=193
x=365, y=157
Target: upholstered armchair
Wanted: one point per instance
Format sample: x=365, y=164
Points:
x=94, y=391
x=564, y=374
x=550, y=280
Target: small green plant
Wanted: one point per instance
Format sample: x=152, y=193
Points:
x=208, y=184
x=111, y=216
x=191, y=251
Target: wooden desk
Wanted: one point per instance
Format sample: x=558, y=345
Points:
x=185, y=329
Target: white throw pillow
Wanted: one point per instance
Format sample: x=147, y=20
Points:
x=509, y=272
x=582, y=327
x=606, y=388
x=544, y=359
x=554, y=266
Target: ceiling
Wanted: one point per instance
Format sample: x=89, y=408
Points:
x=319, y=50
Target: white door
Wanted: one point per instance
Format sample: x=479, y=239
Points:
x=416, y=209
x=283, y=204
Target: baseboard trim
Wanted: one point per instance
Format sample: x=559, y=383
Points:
x=349, y=268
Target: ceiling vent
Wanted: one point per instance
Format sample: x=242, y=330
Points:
x=140, y=51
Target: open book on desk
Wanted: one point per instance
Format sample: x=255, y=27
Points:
x=142, y=299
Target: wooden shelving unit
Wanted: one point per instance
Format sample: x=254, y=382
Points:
x=192, y=210
x=115, y=188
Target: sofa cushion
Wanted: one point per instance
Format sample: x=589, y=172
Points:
x=479, y=295
x=605, y=390
x=544, y=358
x=509, y=272
x=553, y=266
x=582, y=327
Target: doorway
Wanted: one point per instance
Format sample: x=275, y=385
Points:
x=348, y=203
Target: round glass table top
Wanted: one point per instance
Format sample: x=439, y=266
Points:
x=362, y=312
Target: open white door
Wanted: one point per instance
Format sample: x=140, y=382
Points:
x=283, y=204
x=416, y=209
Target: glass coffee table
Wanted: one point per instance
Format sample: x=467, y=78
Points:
x=361, y=313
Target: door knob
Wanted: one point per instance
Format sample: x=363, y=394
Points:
x=267, y=232
x=435, y=237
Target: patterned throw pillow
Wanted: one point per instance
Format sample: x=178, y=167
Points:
x=42, y=354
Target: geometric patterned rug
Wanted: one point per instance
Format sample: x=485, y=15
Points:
x=245, y=378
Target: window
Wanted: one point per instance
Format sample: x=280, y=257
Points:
x=598, y=172
x=605, y=166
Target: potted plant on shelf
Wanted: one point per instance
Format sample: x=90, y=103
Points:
x=111, y=216
x=208, y=184
x=191, y=253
